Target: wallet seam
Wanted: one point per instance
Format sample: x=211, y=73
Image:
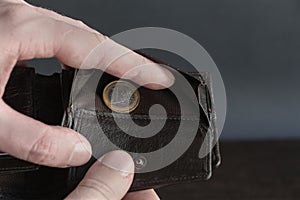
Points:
x=203, y=175
x=16, y=168
x=137, y=117
x=153, y=117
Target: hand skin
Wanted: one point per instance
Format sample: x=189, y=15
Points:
x=110, y=178
x=31, y=32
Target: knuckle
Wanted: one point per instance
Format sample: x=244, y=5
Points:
x=80, y=23
x=17, y=18
x=43, y=150
x=145, y=60
x=14, y=13
x=45, y=11
x=8, y=17
x=99, y=188
x=100, y=37
x=10, y=9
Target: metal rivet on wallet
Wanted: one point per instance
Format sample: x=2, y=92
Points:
x=121, y=96
x=140, y=162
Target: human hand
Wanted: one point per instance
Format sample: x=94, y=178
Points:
x=110, y=178
x=30, y=32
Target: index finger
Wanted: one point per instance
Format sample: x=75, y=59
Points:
x=40, y=35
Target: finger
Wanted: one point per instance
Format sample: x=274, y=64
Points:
x=122, y=64
x=142, y=195
x=109, y=178
x=30, y=140
x=7, y=61
x=71, y=44
x=120, y=61
x=68, y=20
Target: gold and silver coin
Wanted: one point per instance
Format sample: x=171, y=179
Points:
x=121, y=96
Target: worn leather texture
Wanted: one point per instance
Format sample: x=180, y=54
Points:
x=47, y=98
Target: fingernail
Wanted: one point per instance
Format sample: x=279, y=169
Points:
x=155, y=76
x=81, y=153
x=170, y=78
x=119, y=161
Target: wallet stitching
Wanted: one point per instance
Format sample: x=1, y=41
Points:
x=16, y=168
x=141, y=117
x=203, y=175
x=77, y=121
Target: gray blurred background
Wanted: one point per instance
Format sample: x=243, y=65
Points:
x=255, y=44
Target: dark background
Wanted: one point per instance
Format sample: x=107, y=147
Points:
x=255, y=44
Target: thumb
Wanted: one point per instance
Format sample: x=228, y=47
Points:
x=109, y=178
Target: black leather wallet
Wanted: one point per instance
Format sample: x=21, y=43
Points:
x=101, y=118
